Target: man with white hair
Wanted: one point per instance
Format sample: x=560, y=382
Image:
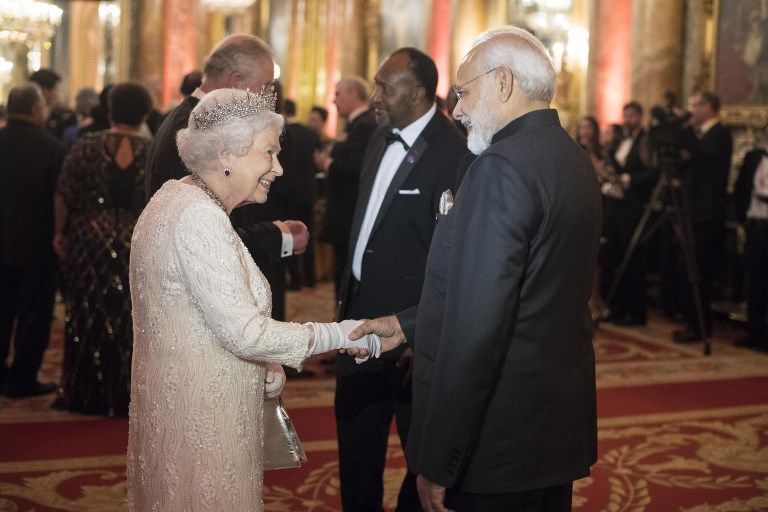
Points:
x=244, y=62
x=504, y=411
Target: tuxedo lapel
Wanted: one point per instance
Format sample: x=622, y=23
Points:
x=367, y=177
x=410, y=161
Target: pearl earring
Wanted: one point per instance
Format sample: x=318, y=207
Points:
x=227, y=172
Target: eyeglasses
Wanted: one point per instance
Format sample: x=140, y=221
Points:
x=458, y=89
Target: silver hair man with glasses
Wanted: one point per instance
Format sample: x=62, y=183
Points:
x=504, y=412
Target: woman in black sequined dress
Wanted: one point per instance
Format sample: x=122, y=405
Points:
x=99, y=196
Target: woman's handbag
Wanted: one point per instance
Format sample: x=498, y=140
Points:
x=282, y=448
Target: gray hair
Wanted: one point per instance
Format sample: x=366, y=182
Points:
x=86, y=99
x=24, y=98
x=200, y=149
x=524, y=54
x=236, y=53
x=356, y=84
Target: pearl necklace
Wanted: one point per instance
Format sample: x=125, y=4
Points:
x=208, y=191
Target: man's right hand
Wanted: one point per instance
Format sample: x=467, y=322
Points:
x=300, y=235
x=387, y=328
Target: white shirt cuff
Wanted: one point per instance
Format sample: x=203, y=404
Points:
x=286, y=249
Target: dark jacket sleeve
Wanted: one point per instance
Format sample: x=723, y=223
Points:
x=348, y=155
x=407, y=321
x=742, y=190
x=496, y=211
x=263, y=240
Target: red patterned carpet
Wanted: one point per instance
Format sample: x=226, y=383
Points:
x=678, y=432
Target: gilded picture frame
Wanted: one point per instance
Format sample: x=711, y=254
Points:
x=738, y=59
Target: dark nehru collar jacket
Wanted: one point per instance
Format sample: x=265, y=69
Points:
x=504, y=375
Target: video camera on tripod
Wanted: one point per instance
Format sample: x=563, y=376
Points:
x=668, y=200
x=666, y=135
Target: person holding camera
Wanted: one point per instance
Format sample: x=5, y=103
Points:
x=707, y=150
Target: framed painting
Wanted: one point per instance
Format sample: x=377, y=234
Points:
x=740, y=70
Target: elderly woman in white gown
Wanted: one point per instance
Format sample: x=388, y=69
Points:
x=204, y=340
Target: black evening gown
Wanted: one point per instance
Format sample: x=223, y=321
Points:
x=103, y=202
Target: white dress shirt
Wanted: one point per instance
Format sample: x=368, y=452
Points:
x=390, y=162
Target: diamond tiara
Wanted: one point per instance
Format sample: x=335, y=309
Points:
x=248, y=105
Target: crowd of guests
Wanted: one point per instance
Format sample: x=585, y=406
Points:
x=75, y=182
x=688, y=155
x=91, y=162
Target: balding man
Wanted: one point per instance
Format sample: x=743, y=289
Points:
x=343, y=168
x=30, y=160
x=410, y=163
x=238, y=61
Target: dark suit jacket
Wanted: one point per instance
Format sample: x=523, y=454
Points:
x=745, y=182
x=622, y=215
x=263, y=240
x=30, y=161
x=396, y=254
x=296, y=190
x=504, y=375
x=344, y=178
x=705, y=178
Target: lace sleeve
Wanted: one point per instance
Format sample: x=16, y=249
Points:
x=210, y=259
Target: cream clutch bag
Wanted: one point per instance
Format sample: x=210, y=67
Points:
x=282, y=447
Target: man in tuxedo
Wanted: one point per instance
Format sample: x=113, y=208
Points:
x=708, y=149
x=409, y=164
x=30, y=159
x=632, y=161
x=504, y=411
x=343, y=168
x=241, y=61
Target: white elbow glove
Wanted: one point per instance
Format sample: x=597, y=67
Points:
x=333, y=336
x=274, y=380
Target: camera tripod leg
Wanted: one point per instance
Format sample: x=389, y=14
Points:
x=684, y=233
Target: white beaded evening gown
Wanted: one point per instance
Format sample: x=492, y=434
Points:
x=202, y=334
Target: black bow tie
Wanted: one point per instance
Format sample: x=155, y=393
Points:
x=395, y=137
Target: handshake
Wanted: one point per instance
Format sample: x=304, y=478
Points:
x=362, y=339
x=335, y=336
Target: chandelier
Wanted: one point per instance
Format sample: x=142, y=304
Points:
x=20, y=19
x=227, y=5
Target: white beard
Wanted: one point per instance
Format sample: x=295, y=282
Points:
x=481, y=130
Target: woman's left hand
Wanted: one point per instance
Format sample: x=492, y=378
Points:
x=274, y=380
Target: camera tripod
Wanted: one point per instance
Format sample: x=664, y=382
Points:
x=669, y=198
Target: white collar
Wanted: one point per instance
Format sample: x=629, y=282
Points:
x=411, y=132
x=708, y=124
x=355, y=113
x=198, y=93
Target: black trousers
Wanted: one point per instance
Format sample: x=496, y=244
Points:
x=26, y=301
x=757, y=281
x=630, y=297
x=549, y=499
x=709, y=250
x=365, y=404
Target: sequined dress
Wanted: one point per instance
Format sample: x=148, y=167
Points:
x=202, y=335
x=103, y=202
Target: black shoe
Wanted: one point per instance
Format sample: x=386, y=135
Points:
x=686, y=336
x=629, y=320
x=38, y=388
